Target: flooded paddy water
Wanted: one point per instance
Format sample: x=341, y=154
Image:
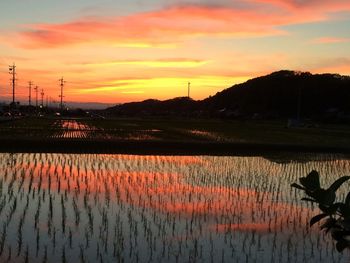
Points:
x=76, y=129
x=125, y=208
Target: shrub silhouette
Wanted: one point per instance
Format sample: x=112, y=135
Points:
x=335, y=216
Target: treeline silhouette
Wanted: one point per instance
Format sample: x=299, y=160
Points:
x=281, y=94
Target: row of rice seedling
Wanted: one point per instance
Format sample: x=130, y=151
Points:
x=72, y=129
x=123, y=208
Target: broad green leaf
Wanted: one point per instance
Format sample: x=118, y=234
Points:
x=317, y=218
x=345, y=212
x=341, y=245
x=311, y=181
x=329, y=198
x=329, y=224
x=334, y=187
x=347, y=199
x=333, y=208
x=323, y=197
x=297, y=186
x=337, y=234
x=308, y=199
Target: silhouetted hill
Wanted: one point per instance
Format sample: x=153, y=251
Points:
x=280, y=94
x=177, y=106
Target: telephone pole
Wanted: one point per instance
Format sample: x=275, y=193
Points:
x=12, y=71
x=61, y=96
x=36, y=96
x=42, y=97
x=188, y=89
x=30, y=93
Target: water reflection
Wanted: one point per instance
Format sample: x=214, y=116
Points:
x=72, y=129
x=159, y=208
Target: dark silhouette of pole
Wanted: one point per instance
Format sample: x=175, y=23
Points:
x=30, y=93
x=42, y=97
x=61, y=96
x=12, y=71
x=36, y=96
x=188, y=89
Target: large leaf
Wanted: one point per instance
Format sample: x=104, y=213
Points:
x=347, y=200
x=345, y=211
x=329, y=224
x=297, y=186
x=341, y=245
x=337, y=234
x=308, y=199
x=311, y=181
x=334, y=187
x=333, y=208
x=317, y=218
x=323, y=197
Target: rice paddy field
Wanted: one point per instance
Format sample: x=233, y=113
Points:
x=127, y=208
x=165, y=130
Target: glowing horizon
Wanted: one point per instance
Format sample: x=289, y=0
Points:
x=117, y=52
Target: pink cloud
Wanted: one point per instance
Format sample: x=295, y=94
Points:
x=163, y=26
x=175, y=24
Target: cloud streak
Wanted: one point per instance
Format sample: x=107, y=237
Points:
x=324, y=5
x=330, y=40
x=160, y=63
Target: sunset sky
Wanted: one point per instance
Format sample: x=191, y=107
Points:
x=116, y=51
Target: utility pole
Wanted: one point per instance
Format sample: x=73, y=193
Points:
x=30, y=93
x=12, y=71
x=61, y=96
x=42, y=97
x=188, y=89
x=36, y=96
x=47, y=101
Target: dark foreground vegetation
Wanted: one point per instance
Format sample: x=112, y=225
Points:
x=335, y=214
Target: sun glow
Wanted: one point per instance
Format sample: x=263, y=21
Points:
x=165, y=87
